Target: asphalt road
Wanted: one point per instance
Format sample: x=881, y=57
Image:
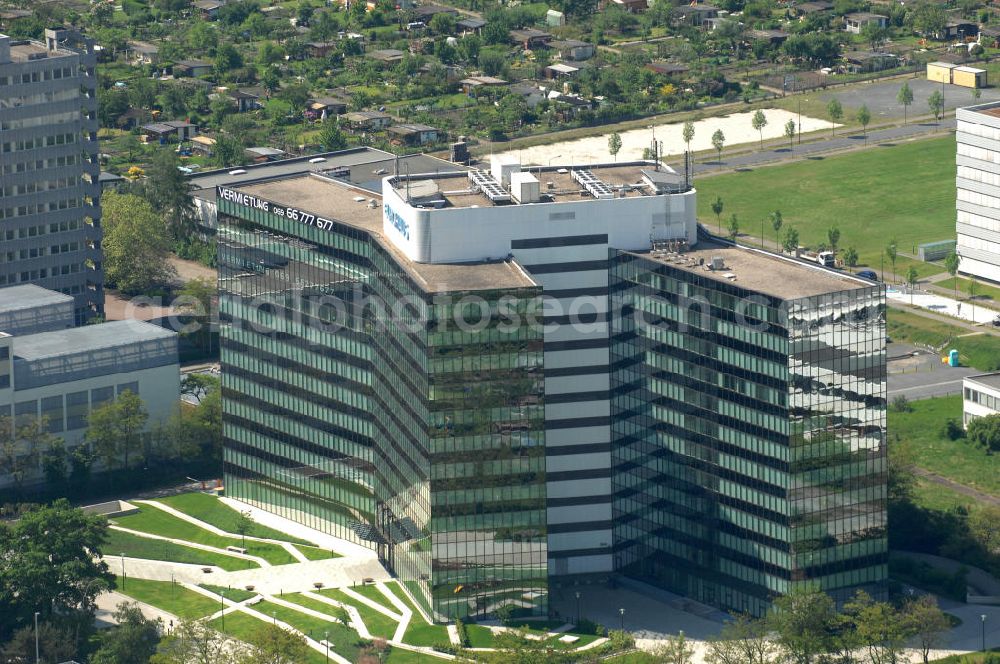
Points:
x=923, y=375
x=876, y=138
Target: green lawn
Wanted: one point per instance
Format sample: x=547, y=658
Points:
x=232, y=594
x=316, y=553
x=419, y=633
x=213, y=511
x=343, y=638
x=980, y=351
x=958, y=460
x=239, y=625
x=983, y=291
x=906, y=191
x=378, y=623
x=172, y=598
x=134, y=546
x=479, y=636
x=374, y=594
x=400, y=656
x=933, y=496
x=157, y=522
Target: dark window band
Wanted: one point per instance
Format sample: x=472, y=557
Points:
x=579, y=526
x=574, y=397
x=579, y=500
x=569, y=475
x=578, y=422
x=575, y=344
x=573, y=266
x=590, y=370
x=595, y=291
x=564, y=241
x=570, y=450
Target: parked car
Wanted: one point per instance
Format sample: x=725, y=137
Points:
x=868, y=274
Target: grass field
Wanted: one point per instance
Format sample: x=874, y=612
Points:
x=239, y=625
x=172, y=598
x=316, y=553
x=933, y=496
x=983, y=291
x=232, y=594
x=906, y=191
x=214, y=512
x=980, y=351
x=157, y=522
x=922, y=429
x=134, y=546
x=419, y=633
x=343, y=638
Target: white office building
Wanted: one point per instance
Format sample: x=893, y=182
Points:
x=978, y=190
x=980, y=396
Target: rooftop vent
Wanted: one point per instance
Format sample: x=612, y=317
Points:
x=718, y=263
x=484, y=182
x=592, y=184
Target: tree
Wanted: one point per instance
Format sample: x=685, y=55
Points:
x=718, y=142
x=776, y=222
x=614, y=144
x=891, y=252
x=193, y=642
x=114, y=428
x=850, y=257
x=227, y=58
x=687, y=133
x=803, y=622
x=54, y=463
x=244, y=524
x=55, y=644
x=976, y=94
x=905, y=98
x=733, y=227
x=936, y=104
x=331, y=137
x=911, y=280
x=229, y=151
x=833, y=235
x=132, y=642
x=790, y=241
x=951, y=263
x=743, y=640
x=927, y=623
x=759, y=121
x=985, y=432
x=675, y=650
x=874, y=34
x=443, y=24
x=136, y=245
x=50, y=566
x=836, y=113
x=168, y=192
x=717, y=207
x=878, y=628
x=790, y=132
x=928, y=18
x=274, y=645
x=984, y=526
x=864, y=117
x=21, y=440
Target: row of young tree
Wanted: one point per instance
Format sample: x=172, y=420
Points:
x=119, y=436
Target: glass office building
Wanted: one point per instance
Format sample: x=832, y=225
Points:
x=748, y=414
x=378, y=400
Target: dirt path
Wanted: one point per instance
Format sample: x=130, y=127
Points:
x=975, y=494
x=188, y=270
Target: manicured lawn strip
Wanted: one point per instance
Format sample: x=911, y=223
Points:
x=172, y=598
x=983, y=291
x=400, y=656
x=337, y=594
x=213, y=511
x=871, y=196
x=933, y=496
x=157, y=522
x=479, y=636
x=316, y=553
x=981, y=351
x=310, y=603
x=419, y=633
x=377, y=623
x=134, y=546
x=922, y=430
x=404, y=598
x=232, y=594
x=239, y=625
x=343, y=638
x=377, y=596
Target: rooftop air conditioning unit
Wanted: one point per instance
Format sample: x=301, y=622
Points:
x=718, y=263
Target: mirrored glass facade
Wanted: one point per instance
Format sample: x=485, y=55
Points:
x=355, y=403
x=748, y=435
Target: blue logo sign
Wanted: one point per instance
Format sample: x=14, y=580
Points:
x=397, y=221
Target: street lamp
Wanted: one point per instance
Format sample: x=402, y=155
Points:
x=577, y=607
x=274, y=618
x=621, y=614
x=326, y=638
x=37, y=654
x=982, y=620
x=558, y=156
x=124, y=576
x=222, y=601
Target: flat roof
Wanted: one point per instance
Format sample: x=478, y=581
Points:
x=87, y=338
x=556, y=183
x=25, y=50
x=336, y=200
x=363, y=160
x=759, y=271
x=29, y=296
x=991, y=380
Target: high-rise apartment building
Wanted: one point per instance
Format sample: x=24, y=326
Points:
x=440, y=372
x=978, y=190
x=50, y=215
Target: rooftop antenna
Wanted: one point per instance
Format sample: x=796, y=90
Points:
x=395, y=166
x=407, y=184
